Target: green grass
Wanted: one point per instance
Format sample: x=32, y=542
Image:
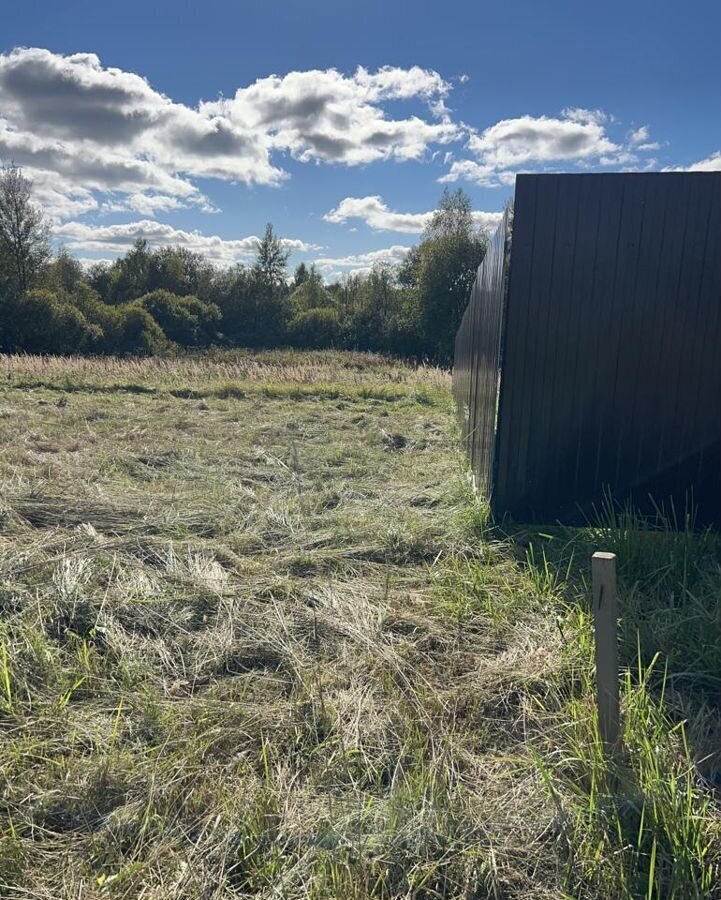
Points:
x=258, y=639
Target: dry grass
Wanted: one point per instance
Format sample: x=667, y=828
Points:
x=256, y=640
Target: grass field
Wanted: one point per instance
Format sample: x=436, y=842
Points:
x=258, y=639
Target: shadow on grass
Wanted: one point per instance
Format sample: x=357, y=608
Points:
x=669, y=584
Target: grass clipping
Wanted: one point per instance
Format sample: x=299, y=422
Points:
x=257, y=639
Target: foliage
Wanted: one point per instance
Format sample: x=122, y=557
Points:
x=411, y=310
x=315, y=327
x=42, y=322
x=185, y=320
x=253, y=312
x=132, y=329
x=272, y=260
x=441, y=271
x=24, y=246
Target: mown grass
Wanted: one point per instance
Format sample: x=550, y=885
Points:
x=257, y=638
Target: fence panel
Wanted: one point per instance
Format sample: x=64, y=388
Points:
x=611, y=370
x=477, y=359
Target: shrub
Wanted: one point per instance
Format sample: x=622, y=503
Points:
x=185, y=320
x=315, y=328
x=44, y=322
x=131, y=329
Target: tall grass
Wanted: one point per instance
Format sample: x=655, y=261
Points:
x=648, y=824
x=259, y=639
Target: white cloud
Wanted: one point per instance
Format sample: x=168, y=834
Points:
x=639, y=135
x=710, y=164
x=360, y=263
x=586, y=116
x=578, y=138
x=514, y=142
x=621, y=158
x=375, y=213
x=639, y=139
x=111, y=240
x=323, y=115
x=479, y=173
x=104, y=130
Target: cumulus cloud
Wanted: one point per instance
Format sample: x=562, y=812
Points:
x=621, y=158
x=479, y=173
x=586, y=116
x=710, y=164
x=102, y=129
x=640, y=139
x=360, y=263
x=639, y=135
x=579, y=137
x=326, y=116
x=515, y=142
x=376, y=214
x=83, y=237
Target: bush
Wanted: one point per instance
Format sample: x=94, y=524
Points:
x=131, y=329
x=185, y=320
x=315, y=328
x=44, y=322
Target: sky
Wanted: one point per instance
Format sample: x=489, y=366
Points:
x=195, y=124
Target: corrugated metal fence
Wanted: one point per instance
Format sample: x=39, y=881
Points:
x=608, y=344
x=477, y=358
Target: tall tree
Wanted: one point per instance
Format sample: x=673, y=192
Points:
x=301, y=275
x=271, y=261
x=440, y=271
x=130, y=274
x=64, y=273
x=24, y=244
x=180, y=271
x=453, y=216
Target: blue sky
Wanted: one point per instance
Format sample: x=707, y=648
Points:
x=162, y=118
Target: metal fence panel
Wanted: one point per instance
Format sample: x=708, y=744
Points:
x=477, y=359
x=611, y=371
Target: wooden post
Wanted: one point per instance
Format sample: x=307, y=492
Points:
x=605, y=616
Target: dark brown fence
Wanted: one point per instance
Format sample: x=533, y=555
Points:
x=476, y=367
x=610, y=338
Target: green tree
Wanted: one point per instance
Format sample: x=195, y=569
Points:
x=301, y=274
x=46, y=323
x=64, y=273
x=180, y=271
x=100, y=279
x=453, y=217
x=24, y=245
x=185, y=320
x=129, y=275
x=132, y=330
x=310, y=293
x=440, y=272
x=316, y=327
x=271, y=262
x=234, y=293
x=267, y=312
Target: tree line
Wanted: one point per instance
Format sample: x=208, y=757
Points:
x=156, y=300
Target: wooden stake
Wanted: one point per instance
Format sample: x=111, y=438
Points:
x=605, y=615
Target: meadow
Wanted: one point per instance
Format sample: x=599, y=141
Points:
x=258, y=638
